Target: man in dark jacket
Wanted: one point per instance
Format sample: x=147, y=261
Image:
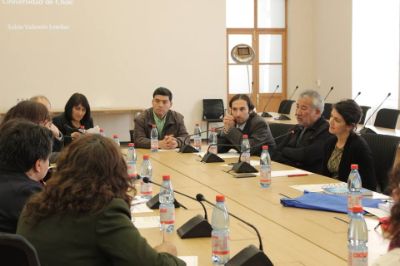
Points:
x=24, y=160
x=243, y=120
x=304, y=145
x=170, y=125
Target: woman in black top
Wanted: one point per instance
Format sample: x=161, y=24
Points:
x=75, y=119
x=346, y=147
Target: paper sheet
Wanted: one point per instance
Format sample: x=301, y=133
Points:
x=140, y=208
x=293, y=172
x=147, y=222
x=190, y=260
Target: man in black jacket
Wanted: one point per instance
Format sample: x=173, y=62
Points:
x=24, y=160
x=304, y=146
x=243, y=120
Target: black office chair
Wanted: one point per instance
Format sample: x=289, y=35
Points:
x=384, y=150
x=15, y=250
x=327, y=110
x=132, y=135
x=213, y=111
x=365, y=111
x=387, y=118
x=278, y=129
x=285, y=106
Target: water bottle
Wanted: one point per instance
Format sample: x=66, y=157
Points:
x=167, y=208
x=357, y=237
x=220, y=232
x=154, y=139
x=102, y=132
x=265, y=168
x=212, y=142
x=197, y=137
x=131, y=159
x=146, y=189
x=245, y=149
x=354, y=185
x=116, y=139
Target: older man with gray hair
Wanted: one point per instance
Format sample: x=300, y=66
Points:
x=303, y=147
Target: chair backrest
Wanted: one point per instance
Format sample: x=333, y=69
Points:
x=278, y=129
x=327, y=110
x=132, y=135
x=285, y=106
x=364, y=114
x=213, y=109
x=384, y=149
x=387, y=118
x=17, y=251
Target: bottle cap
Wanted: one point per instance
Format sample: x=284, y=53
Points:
x=153, y=125
x=265, y=147
x=166, y=177
x=101, y=130
x=131, y=145
x=220, y=198
x=245, y=136
x=115, y=136
x=146, y=157
x=82, y=127
x=354, y=167
x=357, y=209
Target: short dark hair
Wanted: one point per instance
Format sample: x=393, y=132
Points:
x=244, y=97
x=75, y=100
x=349, y=110
x=164, y=92
x=22, y=143
x=29, y=110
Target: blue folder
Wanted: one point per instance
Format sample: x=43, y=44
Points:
x=325, y=202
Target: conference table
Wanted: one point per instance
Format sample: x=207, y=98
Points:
x=290, y=236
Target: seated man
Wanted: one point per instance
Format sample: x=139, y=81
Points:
x=170, y=125
x=24, y=160
x=303, y=147
x=243, y=120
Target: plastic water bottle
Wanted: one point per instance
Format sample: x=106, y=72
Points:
x=212, y=142
x=197, y=137
x=154, y=139
x=265, y=168
x=131, y=159
x=354, y=185
x=146, y=189
x=220, y=232
x=116, y=139
x=167, y=207
x=245, y=149
x=102, y=132
x=357, y=237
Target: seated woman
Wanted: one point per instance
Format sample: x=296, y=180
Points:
x=76, y=116
x=393, y=256
x=346, y=147
x=83, y=216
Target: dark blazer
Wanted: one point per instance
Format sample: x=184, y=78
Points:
x=15, y=190
x=356, y=151
x=66, y=127
x=308, y=153
x=258, y=131
x=107, y=237
x=174, y=125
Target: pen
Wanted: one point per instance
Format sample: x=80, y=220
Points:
x=294, y=175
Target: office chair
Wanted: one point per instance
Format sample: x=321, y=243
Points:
x=279, y=129
x=132, y=135
x=213, y=111
x=15, y=250
x=387, y=118
x=285, y=106
x=327, y=111
x=364, y=110
x=384, y=150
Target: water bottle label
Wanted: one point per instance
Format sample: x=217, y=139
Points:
x=146, y=189
x=154, y=145
x=197, y=144
x=131, y=169
x=353, y=200
x=220, y=244
x=167, y=215
x=245, y=157
x=358, y=258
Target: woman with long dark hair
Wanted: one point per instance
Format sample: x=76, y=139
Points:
x=83, y=216
x=76, y=116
